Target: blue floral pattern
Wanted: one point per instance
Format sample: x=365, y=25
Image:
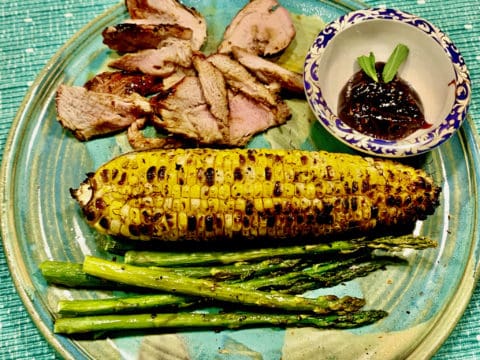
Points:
x=379, y=147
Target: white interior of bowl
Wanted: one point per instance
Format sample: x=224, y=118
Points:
x=427, y=68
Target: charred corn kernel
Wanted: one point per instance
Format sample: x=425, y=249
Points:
x=207, y=194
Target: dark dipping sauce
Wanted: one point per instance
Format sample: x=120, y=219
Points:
x=389, y=111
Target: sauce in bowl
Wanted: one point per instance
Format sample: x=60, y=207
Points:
x=389, y=111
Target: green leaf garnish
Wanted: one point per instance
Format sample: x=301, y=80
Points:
x=367, y=63
x=396, y=59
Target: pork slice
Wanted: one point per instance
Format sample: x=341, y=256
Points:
x=177, y=76
x=89, y=114
x=171, y=12
x=268, y=72
x=159, y=62
x=214, y=90
x=263, y=27
x=138, y=141
x=185, y=111
x=238, y=77
x=131, y=37
x=124, y=83
x=249, y=117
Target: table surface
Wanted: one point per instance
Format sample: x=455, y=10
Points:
x=32, y=31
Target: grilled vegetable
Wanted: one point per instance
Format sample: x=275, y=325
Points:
x=205, y=194
x=191, y=321
x=159, y=279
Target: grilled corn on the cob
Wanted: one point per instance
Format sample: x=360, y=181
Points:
x=204, y=194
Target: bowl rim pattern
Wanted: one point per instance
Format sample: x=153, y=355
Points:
x=367, y=144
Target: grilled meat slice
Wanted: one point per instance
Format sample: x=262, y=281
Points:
x=170, y=12
x=89, y=114
x=240, y=79
x=176, y=77
x=262, y=27
x=131, y=37
x=123, y=83
x=214, y=90
x=185, y=111
x=138, y=141
x=249, y=117
x=158, y=62
x=268, y=72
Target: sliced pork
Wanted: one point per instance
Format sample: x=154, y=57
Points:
x=240, y=79
x=268, y=72
x=185, y=111
x=131, y=37
x=138, y=141
x=171, y=12
x=159, y=62
x=123, y=83
x=249, y=117
x=214, y=90
x=262, y=27
x=89, y=114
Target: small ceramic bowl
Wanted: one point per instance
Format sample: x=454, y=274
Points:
x=434, y=68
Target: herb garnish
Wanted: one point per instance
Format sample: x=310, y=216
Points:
x=398, y=56
x=367, y=63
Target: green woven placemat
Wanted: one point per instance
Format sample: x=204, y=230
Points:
x=31, y=32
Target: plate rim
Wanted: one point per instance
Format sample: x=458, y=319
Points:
x=10, y=248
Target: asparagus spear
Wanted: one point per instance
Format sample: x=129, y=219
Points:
x=319, y=278
x=72, y=275
x=240, y=270
x=170, y=282
x=116, y=305
x=391, y=243
x=212, y=321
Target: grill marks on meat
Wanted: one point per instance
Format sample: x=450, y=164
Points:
x=124, y=83
x=214, y=90
x=262, y=27
x=170, y=12
x=222, y=99
x=239, y=78
x=157, y=62
x=131, y=37
x=268, y=72
x=185, y=111
x=90, y=114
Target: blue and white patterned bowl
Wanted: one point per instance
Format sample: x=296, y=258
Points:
x=434, y=68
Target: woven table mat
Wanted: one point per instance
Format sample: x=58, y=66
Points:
x=32, y=31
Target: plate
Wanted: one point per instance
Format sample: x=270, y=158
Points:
x=40, y=221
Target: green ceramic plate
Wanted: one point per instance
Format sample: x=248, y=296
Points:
x=40, y=221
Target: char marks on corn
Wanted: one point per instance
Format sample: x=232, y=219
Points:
x=249, y=194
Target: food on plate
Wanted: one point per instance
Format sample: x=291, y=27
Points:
x=286, y=270
x=131, y=37
x=262, y=27
x=184, y=110
x=245, y=194
x=88, y=113
x=268, y=72
x=169, y=12
x=377, y=102
x=125, y=83
x=214, y=89
x=223, y=320
x=215, y=99
x=162, y=61
x=139, y=141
